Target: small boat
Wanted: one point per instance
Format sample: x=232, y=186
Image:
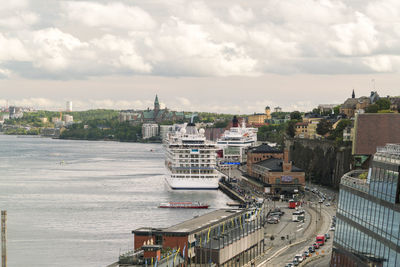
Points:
x=184, y=205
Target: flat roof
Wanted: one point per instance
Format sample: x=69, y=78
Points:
x=195, y=224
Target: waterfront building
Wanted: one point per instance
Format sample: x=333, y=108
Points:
x=225, y=237
x=260, y=153
x=279, y=176
x=165, y=129
x=149, y=130
x=368, y=213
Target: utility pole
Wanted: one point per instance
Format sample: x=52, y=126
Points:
x=3, y=238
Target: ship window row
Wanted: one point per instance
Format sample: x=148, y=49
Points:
x=377, y=218
x=194, y=171
x=188, y=176
x=383, y=184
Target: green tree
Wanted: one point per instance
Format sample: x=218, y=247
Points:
x=383, y=103
x=372, y=108
x=336, y=109
x=295, y=115
x=290, y=129
x=316, y=111
x=323, y=127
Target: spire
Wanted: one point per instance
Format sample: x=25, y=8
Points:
x=156, y=104
x=353, y=95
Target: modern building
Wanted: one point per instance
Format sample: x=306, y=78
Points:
x=69, y=106
x=165, y=129
x=149, y=130
x=368, y=213
x=224, y=237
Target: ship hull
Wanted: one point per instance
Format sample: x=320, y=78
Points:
x=193, y=183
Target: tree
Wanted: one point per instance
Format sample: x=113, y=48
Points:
x=295, y=115
x=316, y=111
x=372, y=108
x=383, y=103
x=290, y=130
x=323, y=127
x=336, y=109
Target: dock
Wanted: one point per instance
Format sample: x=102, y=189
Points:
x=231, y=193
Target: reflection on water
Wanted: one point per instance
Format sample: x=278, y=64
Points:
x=74, y=203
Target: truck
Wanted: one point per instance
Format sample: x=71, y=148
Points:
x=320, y=240
x=293, y=204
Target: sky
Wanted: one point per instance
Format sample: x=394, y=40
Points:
x=220, y=56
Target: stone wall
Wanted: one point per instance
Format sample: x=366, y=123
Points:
x=322, y=161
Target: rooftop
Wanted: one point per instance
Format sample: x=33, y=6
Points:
x=265, y=148
x=368, y=138
x=275, y=165
x=195, y=224
x=356, y=179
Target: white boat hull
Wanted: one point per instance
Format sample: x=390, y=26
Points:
x=193, y=183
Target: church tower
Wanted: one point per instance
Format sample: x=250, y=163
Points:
x=353, y=95
x=156, y=104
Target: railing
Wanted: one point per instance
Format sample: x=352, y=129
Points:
x=351, y=179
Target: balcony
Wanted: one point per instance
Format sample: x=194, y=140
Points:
x=356, y=179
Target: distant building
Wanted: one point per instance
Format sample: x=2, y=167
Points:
x=155, y=115
x=259, y=118
x=278, y=109
x=352, y=105
x=44, y=119
x=15, y=112
x=149, y=130
x=68, y=119
x=69, y=106
x=165, y=129
x=368, y=215
x=325, y=108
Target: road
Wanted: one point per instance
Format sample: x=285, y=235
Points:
x=297, y=237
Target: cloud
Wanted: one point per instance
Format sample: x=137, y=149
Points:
x=84, y=39
x=112, y=15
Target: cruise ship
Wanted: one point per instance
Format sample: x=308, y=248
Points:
x=235, y=141
x=191, y=159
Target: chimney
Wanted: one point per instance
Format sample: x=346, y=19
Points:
x=287, y=165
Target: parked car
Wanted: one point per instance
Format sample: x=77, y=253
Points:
x=299, y=257
x=327, y=236
x=272, y=220
x=295, y=262
x=306, y=253
x=311, y=249
x=327, y=204
x=316, y=245
x=332, y=228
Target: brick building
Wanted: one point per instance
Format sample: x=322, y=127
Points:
x=281, y=176
x=261, y=153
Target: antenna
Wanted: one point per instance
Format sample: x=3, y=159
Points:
x=373, y=83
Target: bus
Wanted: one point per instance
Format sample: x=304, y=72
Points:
x=320, y=240
x=298, y=216
x=292, y=204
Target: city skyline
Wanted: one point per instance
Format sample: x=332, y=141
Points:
x=232, y=57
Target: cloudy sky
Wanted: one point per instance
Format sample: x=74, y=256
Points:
x=223, y=56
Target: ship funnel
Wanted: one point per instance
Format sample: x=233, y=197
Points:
x=235, y=122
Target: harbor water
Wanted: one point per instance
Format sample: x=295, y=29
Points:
x=75, y=203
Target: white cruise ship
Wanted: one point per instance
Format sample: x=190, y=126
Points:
x=235, y=141
x=191, y=160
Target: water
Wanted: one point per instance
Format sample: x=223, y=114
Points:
x=75, y=203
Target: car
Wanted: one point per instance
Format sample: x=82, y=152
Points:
x=332, y=228
x=316, y=246
x=327, y=236
x=295, y=262
x=272, y=220
x=321, y=201
x=311, y=249
x=306, y=253
x=299, y=258
x=327, y=204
